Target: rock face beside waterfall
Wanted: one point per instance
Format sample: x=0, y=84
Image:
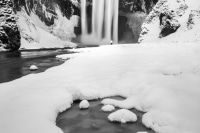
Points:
x=131, y=6
x=172, y=21
x=9, y=32
x=132, y=14
x=47, y=23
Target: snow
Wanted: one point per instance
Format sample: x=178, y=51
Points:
x=142, y=132
x=123, y=116
x=108, y=108
x=33, y=67
x=84, y=104
x=75, y=2
x=36, y=35
x=161, y=80
x=151, y=30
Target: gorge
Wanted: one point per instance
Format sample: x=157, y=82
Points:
x=67, y=21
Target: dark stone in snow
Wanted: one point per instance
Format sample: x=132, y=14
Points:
x=168, y=25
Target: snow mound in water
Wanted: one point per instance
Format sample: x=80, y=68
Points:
x=123, y=116
x=108, y=108
x=33, y=68
x=84, y=104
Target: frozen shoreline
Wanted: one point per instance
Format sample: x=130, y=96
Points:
x=96, y=120
x=161, y=80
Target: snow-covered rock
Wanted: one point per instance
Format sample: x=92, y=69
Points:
x=168, y=25
x=84, y=104
x=194, y=18
x=33, y=68
x=108, y=108
x=48, y=24
x=123, y=116
x=176, y=15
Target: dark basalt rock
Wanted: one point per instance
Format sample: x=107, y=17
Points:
x=168, y=25
x=9, y=32
x=132, y=14
x=131, y=6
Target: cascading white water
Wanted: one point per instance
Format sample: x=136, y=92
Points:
x=104, y=22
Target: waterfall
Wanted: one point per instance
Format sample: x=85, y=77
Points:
x=104, y=22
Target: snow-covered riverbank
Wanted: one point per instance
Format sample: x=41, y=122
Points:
x=160, y=79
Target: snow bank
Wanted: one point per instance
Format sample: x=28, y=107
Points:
x=108, y=108
x=123, y=116
x=159, y=79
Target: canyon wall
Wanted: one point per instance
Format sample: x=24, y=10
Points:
x=9, y=31
x=132, y=14
x=46, y=23
x=55, y=23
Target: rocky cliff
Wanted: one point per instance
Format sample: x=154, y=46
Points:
x=9, y=32
x=172, y=21
x=131, y=17
x=47, y=23
x=54, y=23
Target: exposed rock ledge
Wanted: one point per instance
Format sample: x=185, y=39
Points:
x=9, y=32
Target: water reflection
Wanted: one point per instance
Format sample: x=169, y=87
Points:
x=10, y=66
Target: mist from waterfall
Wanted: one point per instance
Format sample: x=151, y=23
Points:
x=104, y=25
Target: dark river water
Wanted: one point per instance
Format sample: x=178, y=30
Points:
x=14, y=65
x=93, y=120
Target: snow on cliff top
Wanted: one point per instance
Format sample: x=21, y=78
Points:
x=161, y=79
x=182, y=11
x=36, y=35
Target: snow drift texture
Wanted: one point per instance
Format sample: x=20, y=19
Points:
x=161, y=80
x=46, y=23
x=181, y=16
